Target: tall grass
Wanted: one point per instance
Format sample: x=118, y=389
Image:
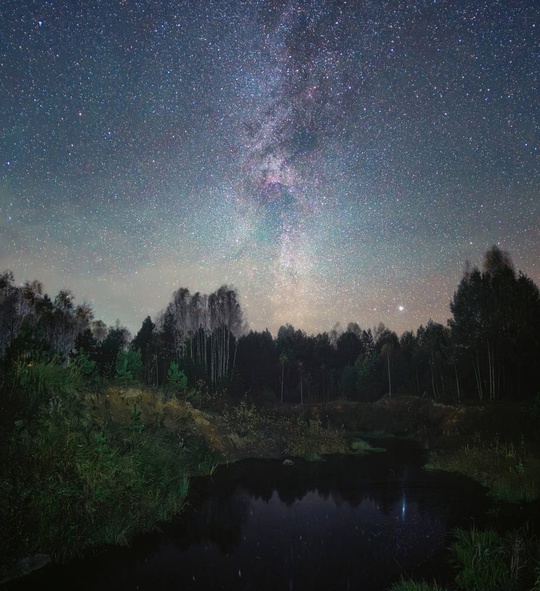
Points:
x=73, y=480
x=360, y=446
x=406, y=585
x=85, y=488
x=39, y=383
x=509, y=472
x=487, y=561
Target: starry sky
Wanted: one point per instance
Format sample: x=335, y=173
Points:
x=334, y=161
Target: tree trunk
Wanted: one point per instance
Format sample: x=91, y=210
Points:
x=282, y=380
x=389, y=377
x=457, y=383
x=478, y=376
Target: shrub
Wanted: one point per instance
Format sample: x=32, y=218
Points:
x=73, y=480
x=406, y=585
x=242, y=419
x=176, y=378
x=129, y=367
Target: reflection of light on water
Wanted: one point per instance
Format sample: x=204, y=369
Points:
x=403, y=505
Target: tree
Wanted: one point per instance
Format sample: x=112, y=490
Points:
x=204, y=330
x=349, y=346
x=143, y=342
x=117, y=340
x=408, y=345
x=176, y=378
x=10, y=320
x=368, y=372
x=387, y=343
x=433, y=340
x=57, y=323
x=495, y=326
x=282, y=361
x=257, y=362
x=129, y=367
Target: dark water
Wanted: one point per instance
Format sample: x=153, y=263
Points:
x=345, y=523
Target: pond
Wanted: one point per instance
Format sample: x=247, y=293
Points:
x=349, y=522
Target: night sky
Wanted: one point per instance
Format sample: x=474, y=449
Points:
x=334, y=161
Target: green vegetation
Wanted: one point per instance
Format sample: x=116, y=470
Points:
x=359, y=446
x=176, y=378
x=275, y=432
x=406, y=585
x=489, y=561
x=129, y=368
x=508, y=470
x=79, y=473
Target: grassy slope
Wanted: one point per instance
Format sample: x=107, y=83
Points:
x=141, y=447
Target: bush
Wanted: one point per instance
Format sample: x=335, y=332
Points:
x=242, y=419
x=129, y=367
x=176, y=378
x=489, y=562
x=72, y=479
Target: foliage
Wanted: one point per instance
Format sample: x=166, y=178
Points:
x=73, y=479
x=129, y=367
x=312, y=456
x=83, y=364
x=407, y=585
x=488, y=561
x=176, y=378
x=242, y=419
x=45, y=383
x=107, y=484
x=495, y=327
x=359, y=446
x=488, y=350
x=505, y=468
x=480, y=557
x=303, y=437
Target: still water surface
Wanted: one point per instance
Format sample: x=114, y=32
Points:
x=350, y=522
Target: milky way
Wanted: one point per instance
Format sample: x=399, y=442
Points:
x=335, y=161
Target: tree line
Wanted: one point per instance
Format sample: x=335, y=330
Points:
x=489, y=348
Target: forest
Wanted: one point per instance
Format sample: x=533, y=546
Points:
x=487, y=351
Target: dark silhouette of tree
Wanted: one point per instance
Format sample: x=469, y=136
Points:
x=117, y=340
x=433, y=341
x=143, y=342
x=495, y=326
x=349, y=346
x=56, y=323
x=410, y=354
x=387, y=343
x=324, y=361
x=204, y=331
x=10, y=320
x=257, y=362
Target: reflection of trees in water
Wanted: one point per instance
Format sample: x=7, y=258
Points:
x=219, y=520
x=399, y=508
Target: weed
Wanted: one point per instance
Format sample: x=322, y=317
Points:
x=312, y=456
x=488, y=561
x=505, y=468
x=407, y=585
x=242, y=419
x=360, y=446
